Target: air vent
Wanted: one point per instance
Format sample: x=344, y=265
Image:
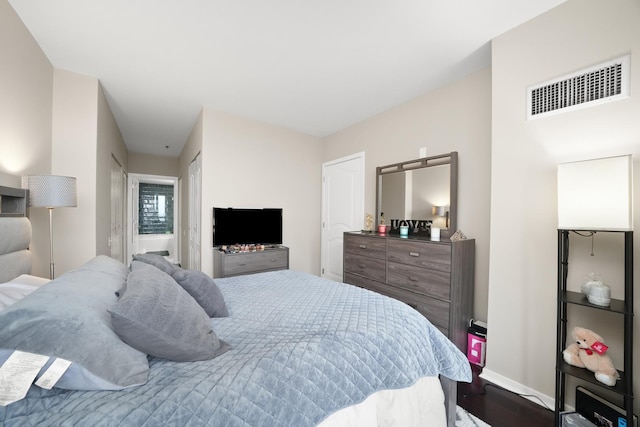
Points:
x=604, y=82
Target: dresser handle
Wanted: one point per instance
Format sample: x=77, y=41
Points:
x=363, y=246
x=414, y=253
x=413, y=279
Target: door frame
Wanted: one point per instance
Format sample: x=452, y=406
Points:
x=118, y=222
x=133, y=179
x=194, y=258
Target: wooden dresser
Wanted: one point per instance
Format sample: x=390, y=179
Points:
x=434, y=277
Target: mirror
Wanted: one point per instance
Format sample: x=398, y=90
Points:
x=420, y=194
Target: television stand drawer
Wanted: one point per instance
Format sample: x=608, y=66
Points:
x=235, y=264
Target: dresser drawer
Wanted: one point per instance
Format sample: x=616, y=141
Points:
x=434, y=256
x=359, y=281
x=437, y=311
x=367, y=246
x=256, y=261
x=371, y=268
x=427, y=282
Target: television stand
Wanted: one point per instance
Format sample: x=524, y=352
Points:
x=273, y=257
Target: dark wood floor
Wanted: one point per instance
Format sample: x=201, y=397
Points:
x=500, y=408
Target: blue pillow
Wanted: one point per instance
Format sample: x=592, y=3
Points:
x=203, y=289
x=200, y=286
x=157, y=261
x=155, y=315
x=68, y=318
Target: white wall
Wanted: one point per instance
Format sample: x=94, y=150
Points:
x=26, y=84
x=54, y=121
x=250, y=164
x=522, y=290
x=84, y=137
x=75, y=124
x=454, y=118
x=109, y=143
x=190, y=151
x=153, y=165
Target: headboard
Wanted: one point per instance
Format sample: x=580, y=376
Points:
x=15, y=234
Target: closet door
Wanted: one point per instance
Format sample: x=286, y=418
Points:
x=118, y=211
x=195, y=174
x=132, y=234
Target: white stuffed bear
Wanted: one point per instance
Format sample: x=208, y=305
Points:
x=588, y=351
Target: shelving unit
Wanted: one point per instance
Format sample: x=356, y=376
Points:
x=13, y=201
x=624, y=386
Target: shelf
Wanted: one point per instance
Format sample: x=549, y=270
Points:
x=624, y=386
x=586, y=375
x=13, y=202
x=616, y=306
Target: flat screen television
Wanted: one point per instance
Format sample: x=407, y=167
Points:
x=233, y=226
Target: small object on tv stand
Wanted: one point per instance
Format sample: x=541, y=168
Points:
x=234, y=249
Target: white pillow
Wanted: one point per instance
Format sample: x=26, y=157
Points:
x=19, y=288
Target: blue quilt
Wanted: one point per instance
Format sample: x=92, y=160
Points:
x=302, y=347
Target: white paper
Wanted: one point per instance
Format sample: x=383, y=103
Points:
x=17, y=373
x=53, y=373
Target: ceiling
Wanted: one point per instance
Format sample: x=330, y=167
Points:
x=309, y=65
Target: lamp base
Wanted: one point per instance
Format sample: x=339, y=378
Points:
x=51, y=264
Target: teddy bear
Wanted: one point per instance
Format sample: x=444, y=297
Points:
x=588, y=351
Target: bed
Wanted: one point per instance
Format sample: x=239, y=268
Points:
x=289, y=349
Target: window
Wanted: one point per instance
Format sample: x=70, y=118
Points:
x=155, y=209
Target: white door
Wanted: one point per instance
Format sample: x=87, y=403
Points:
x=342, y=209
x=132, y=232
x=195, y=171
x=118, y=212
x=179, y=226
x=163, y=240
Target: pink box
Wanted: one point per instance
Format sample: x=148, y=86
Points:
x=476, y=349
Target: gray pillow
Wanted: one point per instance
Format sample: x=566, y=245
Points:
x=68, y=318
x=156, y=316
x=157, y=261
x=203, y=289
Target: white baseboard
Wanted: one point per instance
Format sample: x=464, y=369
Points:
x=528, y=393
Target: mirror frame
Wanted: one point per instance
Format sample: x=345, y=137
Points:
x=421, y=163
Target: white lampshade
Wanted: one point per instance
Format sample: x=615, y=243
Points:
x=438, y=211
x=51, y=191
x=596, y=194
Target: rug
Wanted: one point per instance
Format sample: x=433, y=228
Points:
x=465, y=419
